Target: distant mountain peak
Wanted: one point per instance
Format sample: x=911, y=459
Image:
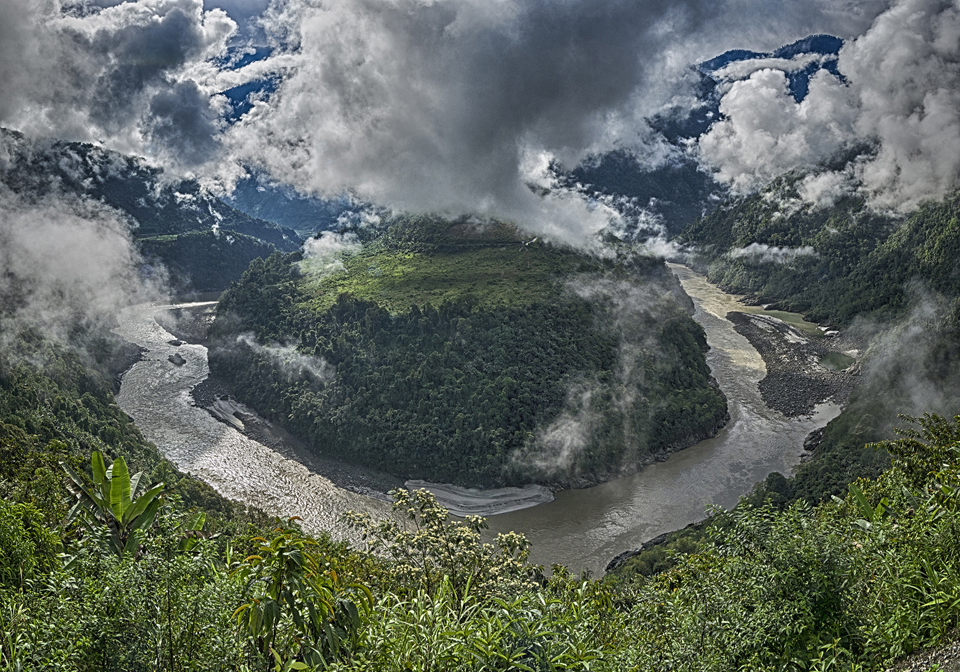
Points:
x=825, y=45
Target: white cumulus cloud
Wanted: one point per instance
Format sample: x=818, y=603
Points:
x=120, y=74
x=901, y=94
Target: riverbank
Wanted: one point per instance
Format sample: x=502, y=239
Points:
x=156, y=393
x=213, y=396
x=473, y=502
x=191, y=324
x=796, y=381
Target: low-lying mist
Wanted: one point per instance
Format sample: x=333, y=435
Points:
x=619, y=409
x=67, y=267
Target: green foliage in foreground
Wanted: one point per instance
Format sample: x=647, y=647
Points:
x=114, y=500
x=851, y=584
x=57, y=408
x=27, y=548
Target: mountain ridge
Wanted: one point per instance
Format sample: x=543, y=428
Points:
x=156, y=211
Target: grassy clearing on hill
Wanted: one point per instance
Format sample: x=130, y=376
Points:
x=507, y=275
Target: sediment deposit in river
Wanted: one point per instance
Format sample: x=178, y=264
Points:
x=796, y=381
x=494, y=501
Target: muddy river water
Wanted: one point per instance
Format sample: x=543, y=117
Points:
x=580, y=528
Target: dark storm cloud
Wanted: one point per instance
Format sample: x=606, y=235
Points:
x=91, y=73
x=457, y=104
x=181, y=120
x=135, y=56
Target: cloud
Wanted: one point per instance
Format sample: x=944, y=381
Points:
x=902, y=94
x=771, y=254
x=120, y=74
x=330, y=244
x=555, y=451
x=440, y=105
x=659, y=246
x=907, y=74
x=765, y=133
x=422, y=105
x=183, y=122
x=323, y=254
x=739, y=70
x=907, y=368
x=292, y=363
x=823, y=189
x=626, y=312
x=65, y=263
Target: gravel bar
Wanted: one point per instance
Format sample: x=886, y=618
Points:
x=795, y=382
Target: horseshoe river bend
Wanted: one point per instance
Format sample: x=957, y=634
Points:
x=580, y=528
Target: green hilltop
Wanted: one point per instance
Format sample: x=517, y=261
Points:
x=420, y=260
x=456, y=347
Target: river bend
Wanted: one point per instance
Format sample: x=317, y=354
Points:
x=580, y=528
x=155, y=392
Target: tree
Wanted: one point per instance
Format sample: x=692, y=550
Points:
x=298, y=608
x=116, y=501
x=431, y=550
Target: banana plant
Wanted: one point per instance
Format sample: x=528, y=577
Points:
x=871, y=515
x=116, y=501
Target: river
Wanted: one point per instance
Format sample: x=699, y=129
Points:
x=580, y=528
x=155, y=392
x=587, y=528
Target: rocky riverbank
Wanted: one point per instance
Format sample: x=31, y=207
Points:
x=945, y=658
x=796, y=381
x=191, y=324
x=213, y=396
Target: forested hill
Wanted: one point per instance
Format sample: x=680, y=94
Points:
x=465, y=353
x=204, y=241
x=889, y=281
x=832, y=263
